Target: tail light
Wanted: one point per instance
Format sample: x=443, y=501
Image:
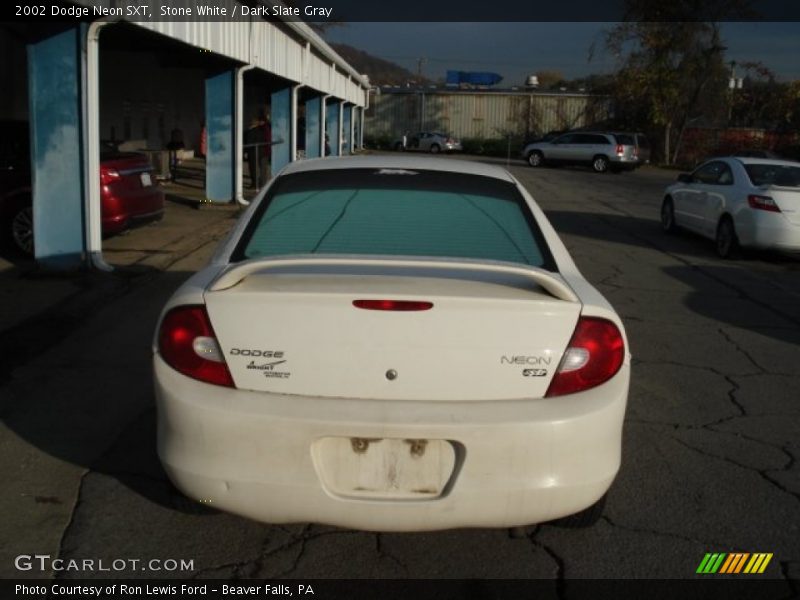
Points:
x=763, y=203
x=109, y=175
x=187, y=343
x=620, y=150
x=594, y=356
x=451, y=141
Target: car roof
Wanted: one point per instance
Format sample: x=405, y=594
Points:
x=422, y=163
x=589, y=132
x=751, y=160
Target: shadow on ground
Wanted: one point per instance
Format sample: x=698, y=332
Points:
x=81, y=390
x=759, y=291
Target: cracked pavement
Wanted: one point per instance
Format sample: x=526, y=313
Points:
x=711, y=440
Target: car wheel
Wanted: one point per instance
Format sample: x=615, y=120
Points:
x=600, y=164
x=435, y=149
x=22, y=229
x=535, y=159
x=727, y=240
x=668, y=216
x=586, y=518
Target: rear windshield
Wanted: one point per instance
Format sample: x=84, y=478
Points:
x=768, y=174
x=625, y=139
x=397, y=213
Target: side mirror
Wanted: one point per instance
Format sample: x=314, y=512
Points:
x=685, y=178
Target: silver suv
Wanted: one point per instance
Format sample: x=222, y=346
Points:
x=602, y=151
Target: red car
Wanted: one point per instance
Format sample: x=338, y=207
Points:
x=129, y=192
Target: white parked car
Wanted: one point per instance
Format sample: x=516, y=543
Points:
x=428, y=141
x=393, y=344
x=738, y=201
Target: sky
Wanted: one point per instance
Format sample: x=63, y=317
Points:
x=515, y=50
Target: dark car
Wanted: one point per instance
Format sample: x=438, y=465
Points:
x=15, y=181
x=129, y=192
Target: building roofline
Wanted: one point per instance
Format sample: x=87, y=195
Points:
x=305, y=31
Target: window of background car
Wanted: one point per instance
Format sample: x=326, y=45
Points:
x=624, y=139
x=596, y=140
x=769, y=174
x=395, y=212
x=710, y=173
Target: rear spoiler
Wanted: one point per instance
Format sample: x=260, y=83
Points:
x=236, y=273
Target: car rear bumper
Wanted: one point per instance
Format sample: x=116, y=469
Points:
x=120, y=212
x=517, y=462
x=625, y=163
x=770, y=231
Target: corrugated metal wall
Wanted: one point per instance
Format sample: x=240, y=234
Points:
x=482, y=115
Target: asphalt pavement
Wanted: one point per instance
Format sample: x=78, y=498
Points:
x=711, y=439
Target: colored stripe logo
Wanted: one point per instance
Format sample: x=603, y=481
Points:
x=734, y=563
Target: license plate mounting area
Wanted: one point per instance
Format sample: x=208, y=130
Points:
x=384, y=468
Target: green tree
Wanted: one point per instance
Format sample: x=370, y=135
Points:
x=671, y=69
x=763, y=101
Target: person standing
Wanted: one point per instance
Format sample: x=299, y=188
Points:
x=203, y=139
x=253, y=142
x=175, y=143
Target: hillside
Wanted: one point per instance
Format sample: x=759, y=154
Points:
x=379, y=71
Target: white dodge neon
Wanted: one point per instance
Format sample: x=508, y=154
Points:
x=392, y=344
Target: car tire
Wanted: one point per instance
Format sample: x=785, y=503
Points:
x=536, y=159
x=435, y=149
x=600, y=164
x=21, y=229
x=668, y=216
x=586, y=518
x=726, y=239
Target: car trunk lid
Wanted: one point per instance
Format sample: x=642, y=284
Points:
x=788, y=200
x=128, y=172
x=297, y=327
